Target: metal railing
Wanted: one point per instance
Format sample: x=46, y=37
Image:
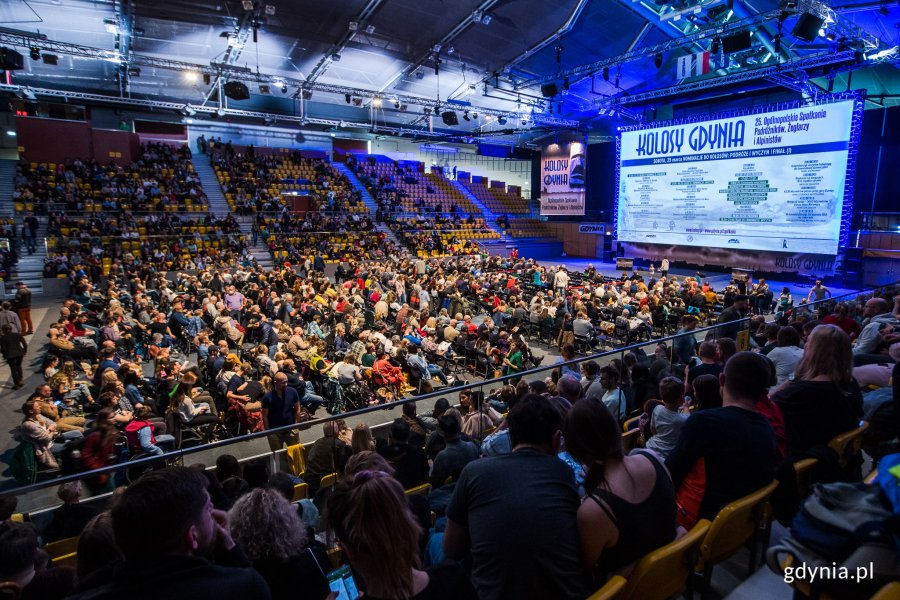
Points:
x=486, y=386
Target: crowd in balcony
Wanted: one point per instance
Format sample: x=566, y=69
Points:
x=162, y=179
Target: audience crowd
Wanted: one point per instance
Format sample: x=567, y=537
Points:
x=539, y=489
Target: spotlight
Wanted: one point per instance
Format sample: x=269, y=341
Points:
x=247, y=4
x=306, y=94
x=474, y=115
x=403, y=107
x=357, y=102
x=264, y=89
x=397, y=104
x=501, y=120
x=191, y=76
x=35, y=54
x=566, y=83
x=220, y=111
x=206, y=79
x=284, y=89
x=376, y=102
x=347, y=98
x=336, y=57
x=466, y=116
x=370, y=29
x=52, y=59
x=822, y=32
x=486, y=20
x=420, y=74
x=883, y=10
x=605, y=73
x=658, y=59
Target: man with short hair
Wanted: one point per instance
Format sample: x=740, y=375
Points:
x=709, y=364
x=457, y=453
x=725, y=453
x=167, y=552
x=281, y=407
x=729, y=319
x=516, y=513
x=880, y=328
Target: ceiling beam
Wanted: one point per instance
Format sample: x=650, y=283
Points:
x=444, y=42
x=361, y=19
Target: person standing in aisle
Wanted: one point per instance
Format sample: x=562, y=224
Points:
x=13, y=347
x=22, y=302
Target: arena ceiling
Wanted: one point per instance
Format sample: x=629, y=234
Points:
x=391, y=62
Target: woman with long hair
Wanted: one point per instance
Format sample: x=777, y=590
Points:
x=274, y=538
x=362, y=439
x=379, y=536
x=629, y=507
x=707, y=393
x=823, y=400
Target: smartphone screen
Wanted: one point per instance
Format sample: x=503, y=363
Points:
x=341, y=581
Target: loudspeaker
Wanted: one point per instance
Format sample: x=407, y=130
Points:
x=807, y=27
x=549, y=90
x=736, y=42
x=10, y=60
x=236, y=90
x=450, y=118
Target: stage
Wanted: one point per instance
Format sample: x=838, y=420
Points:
x=718, y=279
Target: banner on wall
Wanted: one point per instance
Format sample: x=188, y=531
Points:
x=819, y=265
x=563, y=179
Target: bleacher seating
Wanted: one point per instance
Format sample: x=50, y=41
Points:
x=528, y=228
x=415, y=189
x=499, y=200
x=162, y=180
x=256, y=182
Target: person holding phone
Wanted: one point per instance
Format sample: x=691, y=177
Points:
x=382, y=546
x=275, y=540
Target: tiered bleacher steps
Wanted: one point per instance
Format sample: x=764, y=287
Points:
x=218, y=205
x=7, y=187
x=30, y=268
x=367, y=199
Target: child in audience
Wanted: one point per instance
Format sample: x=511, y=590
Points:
x=666, y=420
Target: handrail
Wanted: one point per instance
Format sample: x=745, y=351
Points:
x=180, y=453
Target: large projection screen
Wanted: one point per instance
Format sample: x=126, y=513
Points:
x=771, y=180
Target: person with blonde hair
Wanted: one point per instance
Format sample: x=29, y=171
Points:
x=274, y=538
x=382, y=545
x=823, y=400
x=362, y=439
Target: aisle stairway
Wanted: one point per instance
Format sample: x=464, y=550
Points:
x=367, y=199
x=7, y=186
x=490, y=218
x=218, y=205
x=29, y=268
